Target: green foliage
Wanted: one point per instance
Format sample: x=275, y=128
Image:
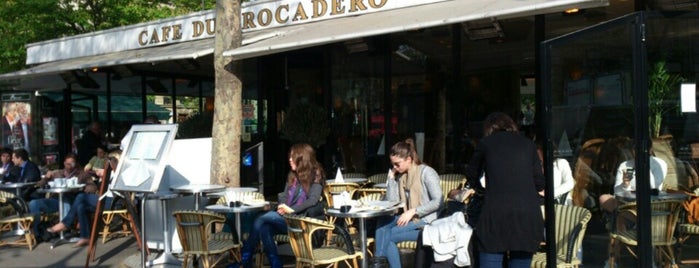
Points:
x=198, y=125
x=306, y=122
x=662, y=87
x=29, y=21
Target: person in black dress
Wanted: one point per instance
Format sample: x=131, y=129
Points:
x=510, y=226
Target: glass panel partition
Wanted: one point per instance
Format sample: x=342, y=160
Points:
x=588, y=89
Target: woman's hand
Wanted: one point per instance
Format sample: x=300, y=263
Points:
x=406, y=217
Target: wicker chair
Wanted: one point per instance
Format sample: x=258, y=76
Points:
x=19, y=218
x=378, y=178
x=684, y=232
x=194, y=229
x=301, y=231
x=450, y=182
x=664, y=216
x=571, y=223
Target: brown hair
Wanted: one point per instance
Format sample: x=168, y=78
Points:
x=498, y=121
x=405, y=149
x=308, y=170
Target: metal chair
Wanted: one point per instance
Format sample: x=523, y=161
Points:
x=301, y=231
x=571, y=223
x=194, y=229
x=378, y=178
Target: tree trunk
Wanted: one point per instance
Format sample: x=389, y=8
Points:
x=226, y=132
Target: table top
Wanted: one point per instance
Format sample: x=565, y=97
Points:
x=162, y=195
x=62, y=189
x=235, y=190
x=198, y=188
x=14, y=185
x=368, y=213
x=350, y=180
x=243, y=208
x=631, y=197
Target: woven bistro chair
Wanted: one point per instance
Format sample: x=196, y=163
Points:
x=688, y=226
x=378, y=178
x=664, y=216
x=301, y=231
x=194, y=229
x=571, y=223
x=450, y=182
x=17, y=216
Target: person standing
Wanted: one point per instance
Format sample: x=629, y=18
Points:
x=417, y=186
x=301, y=195
x=515, y=181
x=92, y=139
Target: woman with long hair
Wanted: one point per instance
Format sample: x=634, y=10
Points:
x=514, y=180
x=302, y=193
x=415, y=185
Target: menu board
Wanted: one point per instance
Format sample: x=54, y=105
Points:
x=143, y=161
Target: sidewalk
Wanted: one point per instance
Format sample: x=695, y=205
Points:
x=118, y=251
x=110, y=254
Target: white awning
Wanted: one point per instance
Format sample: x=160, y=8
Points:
x=399, y=20
x=185, y=50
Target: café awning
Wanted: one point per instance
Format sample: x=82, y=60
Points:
x=185, y=50
x=399, y=20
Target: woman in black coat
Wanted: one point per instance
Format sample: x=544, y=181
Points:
x=510, y=226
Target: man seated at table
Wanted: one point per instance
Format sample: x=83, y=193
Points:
x=50, y=204
x=8, y=171
x=28, y=171
x=84, y=204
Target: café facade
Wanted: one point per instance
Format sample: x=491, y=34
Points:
x=573, y=73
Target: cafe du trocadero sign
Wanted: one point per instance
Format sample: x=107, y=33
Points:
x=255, y=16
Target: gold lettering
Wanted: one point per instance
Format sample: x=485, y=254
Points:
x=154, y=37
x=210, y=26
x=319, y=8
x=248, y=20
x=197, y=28
x=177, y=34
x=300, y=13
x=142, y=37
x=357, y=5
x=264, y=18
x=373, y=4
x=165, y=34
x=337, y=7
x=278, y=14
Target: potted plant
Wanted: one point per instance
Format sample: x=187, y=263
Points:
x=306, y=122
x=662, y=86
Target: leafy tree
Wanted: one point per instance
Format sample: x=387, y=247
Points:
x=28, y=21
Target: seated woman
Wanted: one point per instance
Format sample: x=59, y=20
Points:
x=301, y=195
x=417, y=186
x=83, y=204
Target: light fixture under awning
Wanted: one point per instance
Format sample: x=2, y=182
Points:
x=399, y=20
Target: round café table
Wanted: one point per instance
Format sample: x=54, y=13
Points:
x=245, y=207
x=348, y=180
x=61, y=191
x=197, y=190
x=362, y=215
x=629, y=197
x=234, y=190
x=166, y=258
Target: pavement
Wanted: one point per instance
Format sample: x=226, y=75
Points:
x=123, y=252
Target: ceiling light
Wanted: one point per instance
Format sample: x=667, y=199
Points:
x=479, y=30
x=571, y=11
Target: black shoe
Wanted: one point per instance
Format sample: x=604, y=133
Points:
x=379, y=262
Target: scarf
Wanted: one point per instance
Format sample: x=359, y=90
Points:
x=295, y=194
x=410, y=187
